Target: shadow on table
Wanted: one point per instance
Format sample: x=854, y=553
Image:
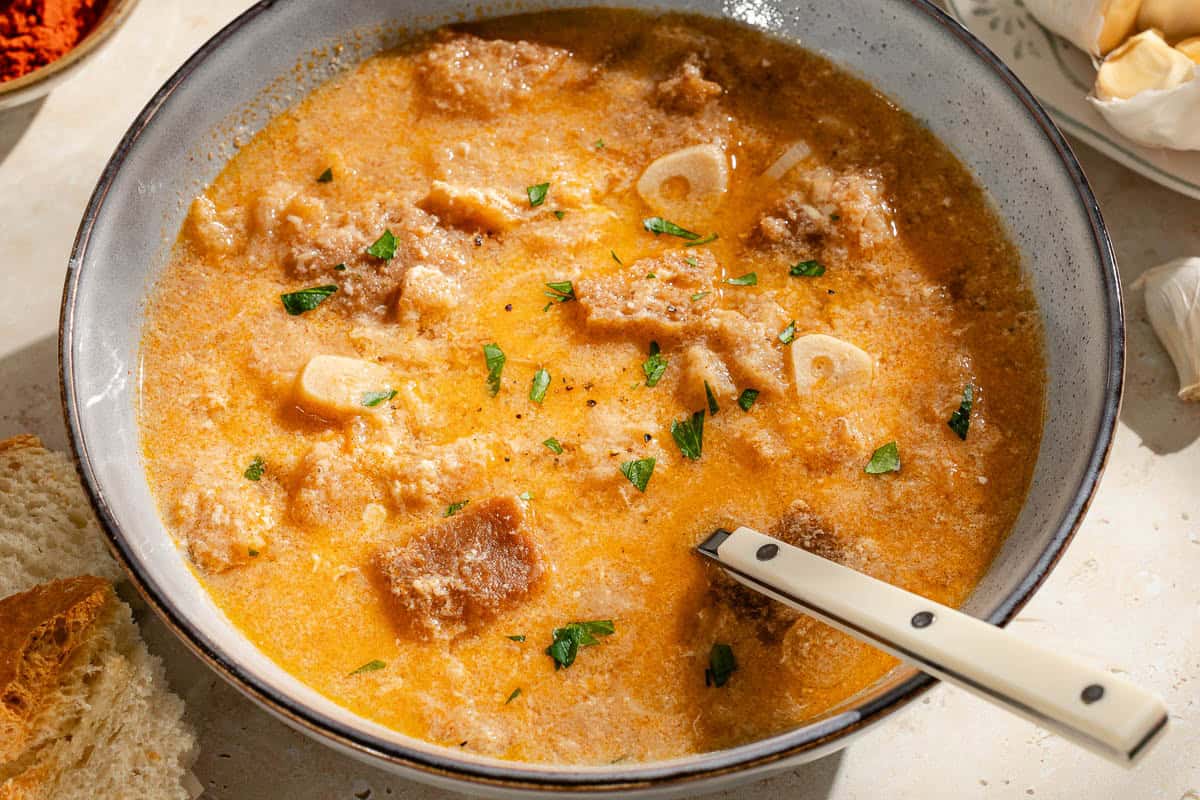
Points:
x=29, y=397
x=14, y=122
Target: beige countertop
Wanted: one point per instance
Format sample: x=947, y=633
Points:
x=1125, y=594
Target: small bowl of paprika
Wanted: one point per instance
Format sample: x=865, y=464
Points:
x=43, y=42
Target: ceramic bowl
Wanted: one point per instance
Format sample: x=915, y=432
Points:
x=43, y=80
x=910, y=50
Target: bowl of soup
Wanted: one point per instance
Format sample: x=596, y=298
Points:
x=409, y=352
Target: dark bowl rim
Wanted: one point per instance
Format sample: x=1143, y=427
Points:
x=820, y=736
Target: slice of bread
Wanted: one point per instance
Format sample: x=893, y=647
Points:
x=47, y=529
x=85, y=711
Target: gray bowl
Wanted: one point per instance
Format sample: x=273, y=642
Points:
x=907, y=48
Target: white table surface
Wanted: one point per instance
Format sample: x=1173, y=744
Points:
x=1126, y=593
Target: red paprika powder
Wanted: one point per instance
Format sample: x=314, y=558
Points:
x=35, y=32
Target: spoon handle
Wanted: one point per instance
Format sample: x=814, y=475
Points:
x=1088, y=705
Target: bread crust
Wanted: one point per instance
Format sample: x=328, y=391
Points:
x=40, y=629
x=22, y=441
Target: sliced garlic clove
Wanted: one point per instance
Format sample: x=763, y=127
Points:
x=1176, y=19
x=337, y=386
x=1095, y=26
x=686, y=181
x=796, y=152
x=827, y=362
x=1190, y=48
x=1150, y=93
x=1173, y=307
x=1144, y=63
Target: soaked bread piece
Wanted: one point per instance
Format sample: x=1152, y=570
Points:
x=653, y=297
x=463, y=572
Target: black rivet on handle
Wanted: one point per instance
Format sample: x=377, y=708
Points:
x=767, y=552
x=1092, y=693
x=922, y=619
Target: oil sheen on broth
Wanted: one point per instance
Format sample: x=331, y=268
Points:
x=312, y=457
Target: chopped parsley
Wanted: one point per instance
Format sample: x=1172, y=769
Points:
x=370, y=666
x=526, y=496
x=616, y=257
x=340, y=268
x=537, y=194
x=515, y=694
x=699, y=296
x=712, y=237
x=807, y=269
x=747, y=398
x=835, y=217
x=372, y=399
x=384, y=247
x=559, y=292
x=559, y=213
x=568, y=639
x=693, y=262
x=493, y=356
x=721, y=665
x=518, y=637
x=713, y=408
x=250, y=551
x=885, y=459
x=788, y=334
x=326, y=176
x=255, y=471
x=296, y=303
x=541, y=382
x=960, y=420
x=599, y=145
x=689, y=435
x=749, y=279
x=650, y=276
x=454, y=508
x=638, y=472
x=657, y=225
x=654, y=366
x=553, y=446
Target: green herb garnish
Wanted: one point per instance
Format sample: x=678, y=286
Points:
x=693, y=262
x=560, y=291
x=384, y=247
x=568, y=639
x=296, y=303
x=885, y=459
x=519, y=637
x=712, y=237
x=255, y=471
x=250, y=551
x=699, y=296
x=372, y=399
x=599, y=145
x=615, y=257
x=960, y=420
x=326, y=176
x=541, y=382
x=657, y=225
x=526, y=496
x=515, y=694
x=554, y=446
x=493, y=356
x=713, y=408
x=749, y=279
x=747, y=398
x=559, y=213
x=340, y=268
x=721, y=664
x=454, y=508
x=638, y=472
x=788, y=334
x=654, y=366
x=370, y=666
x=537, y=194
x=807, y=269
x=689, y=435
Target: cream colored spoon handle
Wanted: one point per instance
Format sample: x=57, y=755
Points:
x=1084, y=703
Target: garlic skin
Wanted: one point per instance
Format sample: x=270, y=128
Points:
x=1173, y=306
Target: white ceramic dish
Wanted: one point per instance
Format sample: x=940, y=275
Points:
x=1061, y=75
x=237, y=81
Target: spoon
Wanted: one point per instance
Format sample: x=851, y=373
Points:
x=1088, y=705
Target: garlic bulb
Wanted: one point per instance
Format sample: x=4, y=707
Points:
x=1173, y=306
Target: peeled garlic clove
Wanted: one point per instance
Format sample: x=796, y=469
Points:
x=1150, y=93
x=1173, y=306
x=1190, y=48
x=818, y=359
x=1095, y=26
x=1175, y=18
x=338, y=386
x=686, y=181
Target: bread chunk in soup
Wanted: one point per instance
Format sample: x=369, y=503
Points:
x=460, y=356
